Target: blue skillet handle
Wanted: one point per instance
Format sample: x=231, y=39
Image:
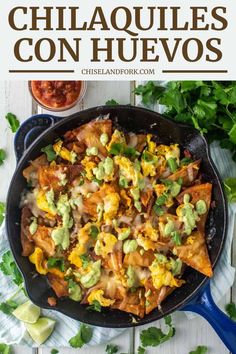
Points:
x=30, y=130
x=205, y=306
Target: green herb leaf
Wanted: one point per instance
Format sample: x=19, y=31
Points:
x=185, y=161
x=175, y=235
x=150, y=93
x=161, y=200
x=122, y=149
x=48, y=150
x=94, y=231
x=8, y=307
x=231, y=310
x=9, y=267
x=54, y=351
x=85, y=260
x=112, y=103
x=5, y=349
x=158, y=210
x=111, y=349
x=2, y=156
x=95, y=306
x=199, y=350
x=2, y=212
x=172, y=164
x=56, y=263
x=82, y=337
x=154, y=336
x=13, y=122
x=141, y=350
x=230, y=189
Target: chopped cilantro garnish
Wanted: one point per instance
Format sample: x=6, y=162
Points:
x=50, y=153
x=172, y=164
x=82, y=337
x=94, y=231
x=111, y=349
x=2, y=156
x=95, y=306
x=231, y=310
x=85, y=260
x=199, y=350
x=56, y=263
x=13, y=122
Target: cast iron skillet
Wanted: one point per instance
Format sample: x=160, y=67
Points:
x=41, y=130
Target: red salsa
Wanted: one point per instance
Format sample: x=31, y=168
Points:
x=56, y=94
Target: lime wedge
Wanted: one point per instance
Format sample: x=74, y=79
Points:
x=27, y=312
x=41, y=330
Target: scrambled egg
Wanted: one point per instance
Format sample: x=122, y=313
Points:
x=111, y=206
x=64, y=153
x=105, y=244
x=151, y=144
x=127, y=169
x=117, y=138
x=162, y=276
x=43, y=204
x=145, y=242
x=98, y=296
x=168, y=152
x=37, y=259
x=89, y=165
x=82, y=245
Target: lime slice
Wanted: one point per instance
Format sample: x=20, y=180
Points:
x=41, y=330
x=27, y=312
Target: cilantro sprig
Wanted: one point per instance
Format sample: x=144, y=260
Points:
x=209, y=106
x=9, y=268
x=13, y=122
x=231, y=310
x=230, y=189
x=199, y=350
x=153, y=336
x=2, y=156
x=95, y=306
x=111, y=349
x=82, y=337
x=5, y=349
x=2, y=212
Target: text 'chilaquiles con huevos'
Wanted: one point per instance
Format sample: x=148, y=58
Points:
x=127, y=33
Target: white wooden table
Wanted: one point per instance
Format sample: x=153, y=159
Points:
x=15, y=98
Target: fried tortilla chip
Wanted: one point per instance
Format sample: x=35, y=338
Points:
x=187, y=173
x=59, y=285
x=195, y=254
x=31, y=172
x=136, y=259
x=133, y=303
x=89, y=134
x=198, y=192
x=26, y=239
x=43, y=240
x=155, y=297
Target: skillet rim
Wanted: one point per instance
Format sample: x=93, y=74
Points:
x=97, y=111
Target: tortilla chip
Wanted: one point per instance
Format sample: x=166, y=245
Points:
x=89, y=134
x=198, y=192
x=187, y=173
x=155, y=297
x=59, y=285
x=195, y=254
x=136, y=259
x=132, y=303
x=26, y=238
x=31, y=172
x=43, y=240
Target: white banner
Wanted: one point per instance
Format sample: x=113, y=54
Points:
x=119, y=39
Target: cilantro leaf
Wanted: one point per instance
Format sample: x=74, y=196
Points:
x=83, y=336
x=154, y=336
x=5, y=349
x=150, y=93
x=230, y=189
x=111, y=349
x=2, y=156
x=199, y=350
x=48, y=150
x=95, y=306
x=231, y=310
x=112, y=103
x=54, y=351
x=13, y=122
x=2, y=212
x=141, y=350
x=9, y=267
x=85, y=260
x=56, y=263
x=8, y=307
x=94, y=231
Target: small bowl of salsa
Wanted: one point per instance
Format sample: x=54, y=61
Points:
x=57, y=95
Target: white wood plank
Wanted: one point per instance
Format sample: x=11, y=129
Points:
x=124, y=343
x=20, y=349
x=15, y=98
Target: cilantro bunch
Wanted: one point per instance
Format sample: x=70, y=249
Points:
x=209, y=106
